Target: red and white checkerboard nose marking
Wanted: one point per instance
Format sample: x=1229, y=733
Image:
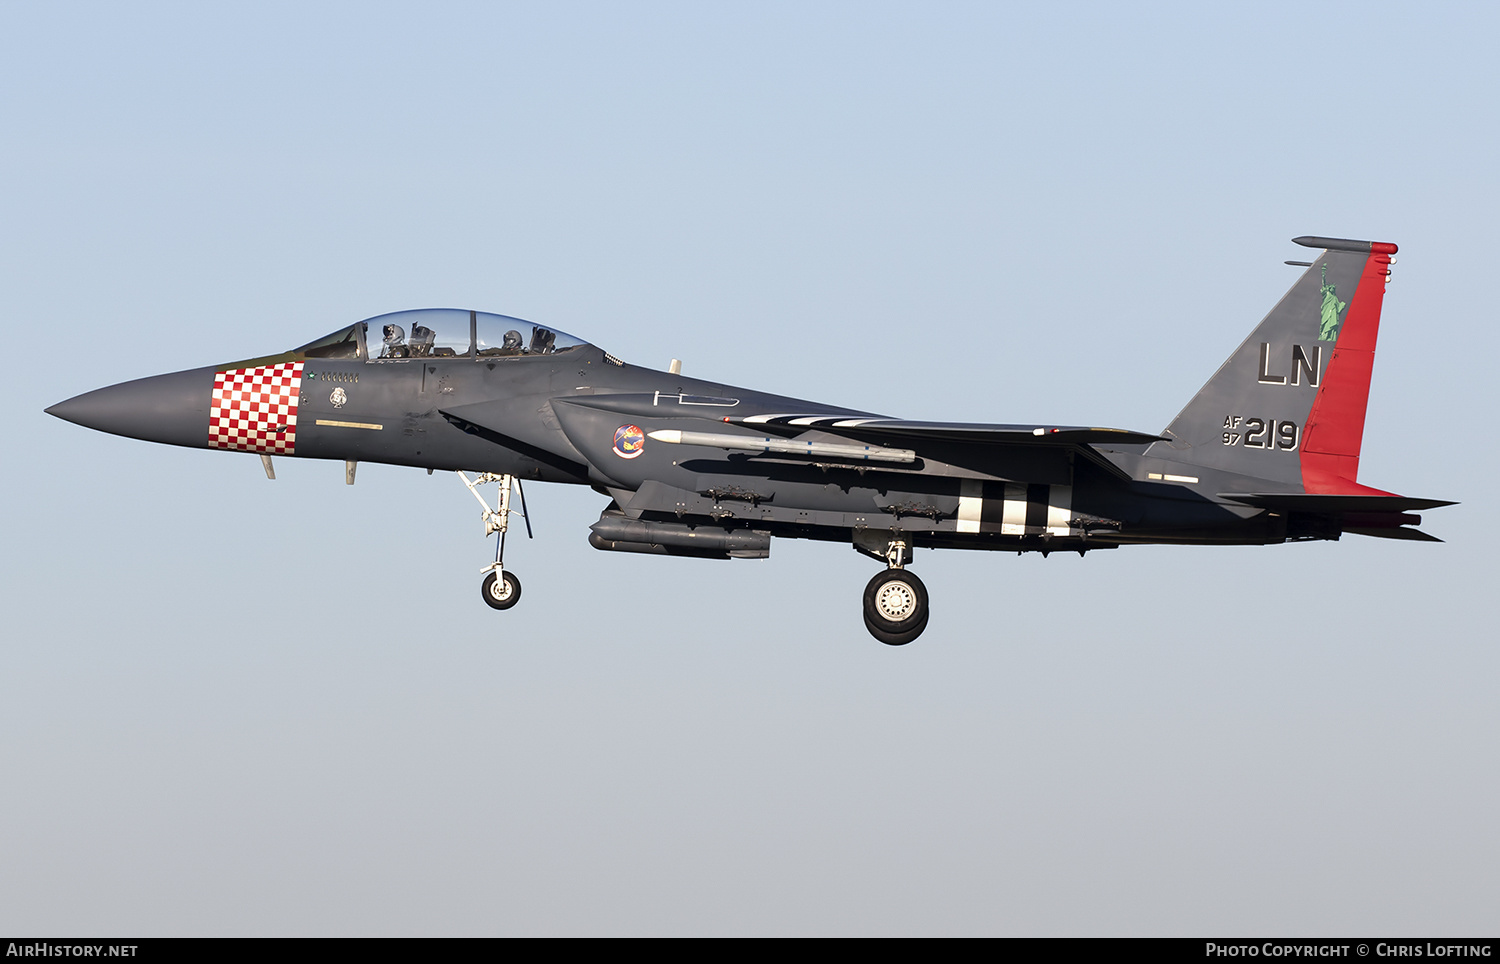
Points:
x=255, y=409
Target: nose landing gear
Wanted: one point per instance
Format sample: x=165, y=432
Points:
x=500, y=589
x=896, y=601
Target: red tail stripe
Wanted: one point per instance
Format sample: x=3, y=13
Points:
x=1336, y=424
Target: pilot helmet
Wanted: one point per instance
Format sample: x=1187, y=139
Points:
x=512, y=339
x=394, y=335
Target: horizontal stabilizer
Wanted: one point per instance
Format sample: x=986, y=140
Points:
x=1333, y=504
x=1411, y=535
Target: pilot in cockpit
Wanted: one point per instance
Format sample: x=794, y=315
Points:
x=421, y=343
x=395, y=342
x=511, y=344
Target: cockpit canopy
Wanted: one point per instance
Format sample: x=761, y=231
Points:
x=441, y=333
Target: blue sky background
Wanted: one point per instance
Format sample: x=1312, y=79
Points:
x=234, y=706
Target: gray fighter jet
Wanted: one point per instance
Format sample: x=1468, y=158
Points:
x=1266, y=452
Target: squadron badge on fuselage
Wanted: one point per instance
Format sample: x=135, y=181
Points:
x=630, y=441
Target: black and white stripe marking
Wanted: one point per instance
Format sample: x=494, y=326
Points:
x=1014, y=508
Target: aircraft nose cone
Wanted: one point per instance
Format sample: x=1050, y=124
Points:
x=165, y=408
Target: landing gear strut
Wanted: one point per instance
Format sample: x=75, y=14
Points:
x=896, y=601
x=500, y=589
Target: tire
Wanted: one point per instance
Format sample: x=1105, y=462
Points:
x=895, y=607
x=895, y=639
x=501, y=594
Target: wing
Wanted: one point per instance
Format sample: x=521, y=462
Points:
x=896, y=430
x=981, y=446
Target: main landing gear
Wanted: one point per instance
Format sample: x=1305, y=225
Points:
x=500, y=589
x=895, y=600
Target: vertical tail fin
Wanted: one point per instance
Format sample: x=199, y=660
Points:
x=1289, y=404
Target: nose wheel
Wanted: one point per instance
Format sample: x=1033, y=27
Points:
x=895, y=607
x=500, y=589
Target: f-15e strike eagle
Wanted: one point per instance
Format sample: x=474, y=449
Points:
x=1266, y=452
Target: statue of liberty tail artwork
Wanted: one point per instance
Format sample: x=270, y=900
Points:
x=1332, y=308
